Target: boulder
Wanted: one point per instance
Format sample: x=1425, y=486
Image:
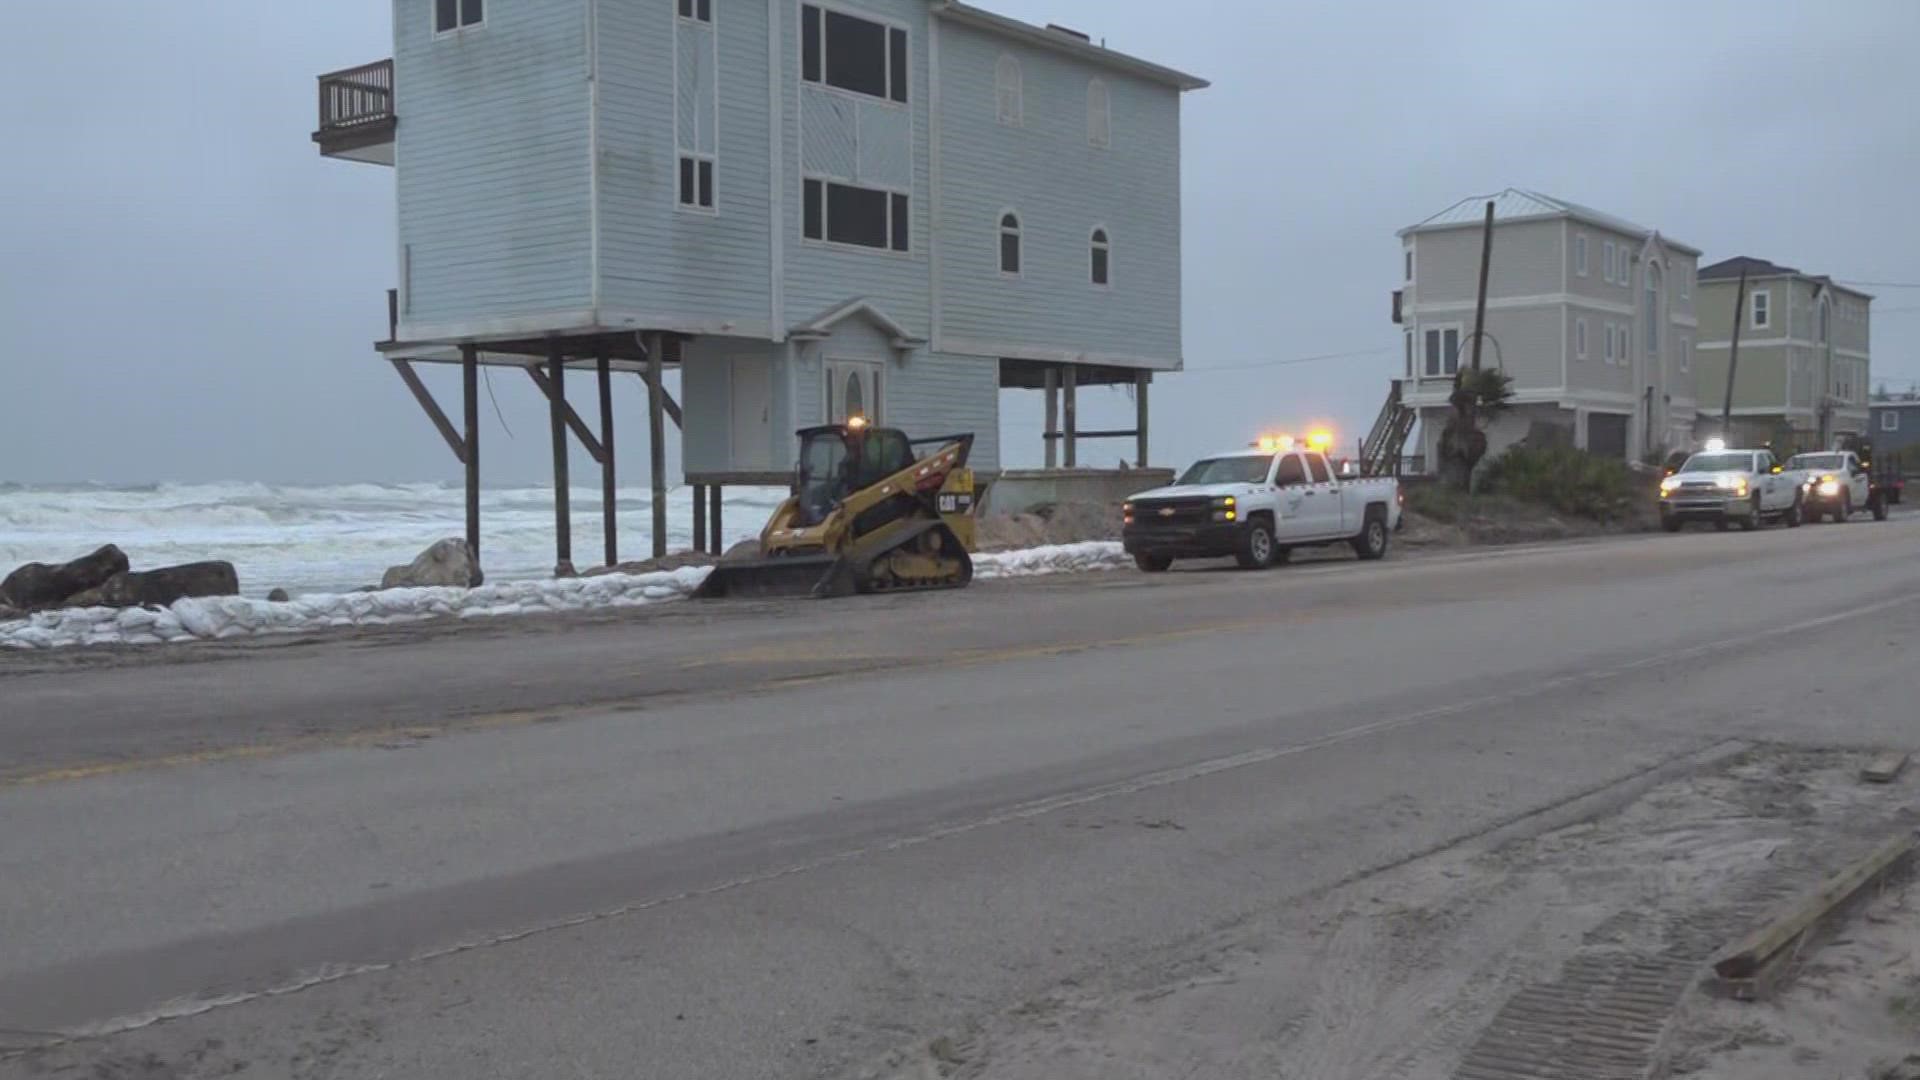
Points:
x=8, y=613
x=448, y=563
x=158, y=588
x=278, y=596
x=39, y=585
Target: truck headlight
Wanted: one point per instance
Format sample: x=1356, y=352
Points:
x=1829, y=486
x=1669, y=484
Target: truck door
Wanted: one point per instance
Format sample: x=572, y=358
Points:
x=1323, y=508
x=1291, y=499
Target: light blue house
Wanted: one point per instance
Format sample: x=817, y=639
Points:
x=810, y=207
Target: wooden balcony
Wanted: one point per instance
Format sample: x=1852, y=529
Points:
x=357, y=120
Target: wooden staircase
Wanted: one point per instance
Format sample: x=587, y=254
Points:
x=1380, y=450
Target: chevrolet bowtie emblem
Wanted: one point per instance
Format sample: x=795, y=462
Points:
x=1166, y=511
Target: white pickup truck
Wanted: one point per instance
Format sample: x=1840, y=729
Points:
x=1257, y=506
x=1728, y=487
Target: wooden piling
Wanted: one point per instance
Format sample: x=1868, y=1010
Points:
x=609, y=488
x=470, y=388
x=657, y=441
x=562, y=482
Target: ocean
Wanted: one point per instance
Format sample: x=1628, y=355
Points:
x=340, y=537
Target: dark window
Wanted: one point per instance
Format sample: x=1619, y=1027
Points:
x=1317, y=465
x=697, y=9
x=810, y=43
x=897, y=57
x=1290, y=471
x=857, y=216
x=1102, y=258
x=815, y=227
x=1009, y=244
x=451, y=15
x=864, y=217
x=696, y=182
x=853, y=53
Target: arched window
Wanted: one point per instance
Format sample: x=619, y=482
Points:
x=856, y=397
x=1099, y=115
x=1102, y=258
x=1007, y=91
x=1653, y=309
x=1009, y=243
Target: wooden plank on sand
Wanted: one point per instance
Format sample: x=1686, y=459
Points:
x=1745, y=959
x=1886, y=768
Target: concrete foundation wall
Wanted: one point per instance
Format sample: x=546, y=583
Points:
x=1020, y=491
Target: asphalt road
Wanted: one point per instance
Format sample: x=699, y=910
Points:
x=779, y=840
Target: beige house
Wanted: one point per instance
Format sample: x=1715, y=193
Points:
x=1591, y=314
x=1804, y=353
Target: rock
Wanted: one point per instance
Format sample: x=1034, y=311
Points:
x=9, y=613
x=39, y=585
x=159, y=588
x=278, y=596
x=448, y=563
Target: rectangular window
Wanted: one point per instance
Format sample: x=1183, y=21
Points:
x=862, y=217
x=1686, y=353
x=451, y=15
x=1580, y=339
x=853, y=53
x=1890, y=420
x=701, y=10
x=696, y=181
x=1606, y=262
x=1409, y=337
x=1443, y=351
x=1609, y=352
x=1762, y=310
x=1409, y=277
x=1686, y=282
x=1102, y=265
x=1580, y=254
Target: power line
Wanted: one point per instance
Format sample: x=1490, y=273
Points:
x=1291, y=361
x=1885, y=284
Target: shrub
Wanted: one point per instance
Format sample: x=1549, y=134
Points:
x=1571, y=481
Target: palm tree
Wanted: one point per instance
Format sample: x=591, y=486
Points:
x=1479, y=394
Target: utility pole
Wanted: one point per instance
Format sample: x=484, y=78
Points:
x=1480, y=308
x=1733, y=355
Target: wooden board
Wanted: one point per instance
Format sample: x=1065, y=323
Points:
x=1743, y=961
x=1886, y=768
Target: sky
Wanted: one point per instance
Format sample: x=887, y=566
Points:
x=189, y=292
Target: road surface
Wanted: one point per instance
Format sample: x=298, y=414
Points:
x=812, y=840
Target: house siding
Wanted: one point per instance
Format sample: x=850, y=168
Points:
x=491, y=163
x=1526, y=262
x=659, y=78
x=1595, y=286
x=1062, y=188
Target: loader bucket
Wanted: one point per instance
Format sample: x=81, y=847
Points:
x=805, y=575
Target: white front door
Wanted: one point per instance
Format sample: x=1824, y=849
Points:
x=752, y=394
x=853, y=388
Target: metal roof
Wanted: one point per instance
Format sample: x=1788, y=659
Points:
x=1065, y=42
x=1756, y=269
x=1520, y=204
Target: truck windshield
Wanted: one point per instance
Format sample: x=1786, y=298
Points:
x=1240, y=469
x=1718, y=463
x=1818, y=461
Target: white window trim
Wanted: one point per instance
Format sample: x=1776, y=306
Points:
x=695, y=207
x=1000, y=232
x=874, y=381
x=433, y=19
x=1754, y=304
x=695, y=17
x=1685, y=345
x=1580, y=254
x=1095, y=245
x=800, y=54
x=1407, y=262
x=1460, y=329
x=1890, y=420
x=713, y=32
x=1094, y=138
x=1613, y=349
x=1579, y=339
x=1606, y=262
x=825, y=228
x=1005, y=89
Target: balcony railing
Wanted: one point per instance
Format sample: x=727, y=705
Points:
x=356, y=113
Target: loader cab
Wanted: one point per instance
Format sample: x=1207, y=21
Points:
x=837, y=460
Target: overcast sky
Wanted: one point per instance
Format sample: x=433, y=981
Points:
x=188, y=291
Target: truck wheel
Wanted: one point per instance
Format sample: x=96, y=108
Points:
x=1670, y=523
x=1152, y=564
x=1792, y=516
x=1878, y=504
x=1256, y=546
x=1811, y=515
x=1845, y=509
x=1372, y=541
x=1752, y=520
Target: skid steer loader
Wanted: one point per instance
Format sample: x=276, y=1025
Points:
x=869, y=513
